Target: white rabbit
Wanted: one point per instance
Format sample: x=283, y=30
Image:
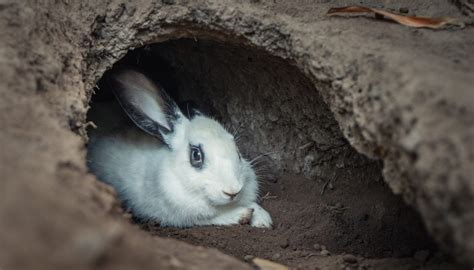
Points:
x=172, y=169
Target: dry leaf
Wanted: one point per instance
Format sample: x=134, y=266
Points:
x=412, y=21
x=268, y=265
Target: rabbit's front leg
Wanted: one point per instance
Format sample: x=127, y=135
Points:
x=232, y=216
x=260, y=218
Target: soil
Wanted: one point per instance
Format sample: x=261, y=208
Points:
x=307, y=222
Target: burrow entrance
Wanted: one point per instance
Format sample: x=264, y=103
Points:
x=318, y=189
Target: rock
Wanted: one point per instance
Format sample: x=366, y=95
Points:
x=317, y=247
x=248, y=258
x=276, y=256
x=404, y=10
x=349, y=258
x=268, y=265
x=272, y=116
x=284, y=243
x=325, y=252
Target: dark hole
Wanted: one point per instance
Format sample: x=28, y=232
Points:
x=318, y=189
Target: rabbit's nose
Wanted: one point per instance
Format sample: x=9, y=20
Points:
x=231, y=195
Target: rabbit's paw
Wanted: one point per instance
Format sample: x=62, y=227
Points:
x=238, y=215
x=260, y=218
x=246, y=216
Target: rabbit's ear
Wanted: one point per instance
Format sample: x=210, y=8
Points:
x=146, y=103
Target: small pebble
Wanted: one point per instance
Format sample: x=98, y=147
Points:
x=323, y=247
x=317, y=247
x=273, y=117
x=404, y=10
x=349, y=258
x=339, y=205
x=330, y=186
x=276, y=256
x=248, y=258
x=325, y=252
x=378, y=16
x=284, y=243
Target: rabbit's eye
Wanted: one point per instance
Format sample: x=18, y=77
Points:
x=196, y=157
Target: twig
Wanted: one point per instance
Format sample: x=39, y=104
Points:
x=327, y=182
x=268, y=196
x=334, y=176
x=90, y=124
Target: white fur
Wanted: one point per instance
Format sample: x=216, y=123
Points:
x=158, y=182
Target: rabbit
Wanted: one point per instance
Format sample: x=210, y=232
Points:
x=168, y=168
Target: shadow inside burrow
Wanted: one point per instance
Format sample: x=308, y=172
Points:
x=318, y=189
